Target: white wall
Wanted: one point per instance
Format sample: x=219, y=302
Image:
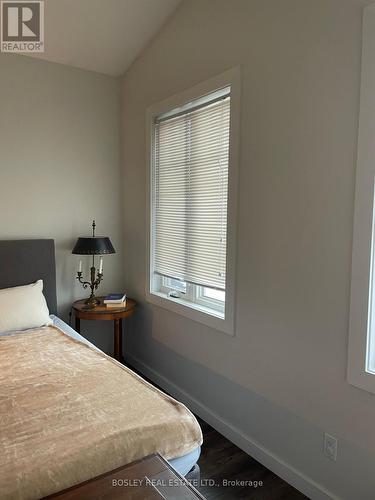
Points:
x=60, y=166
x=281, y=381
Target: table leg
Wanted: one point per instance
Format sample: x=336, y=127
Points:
x=121, y=356
x=118, y=339
x=78, y=325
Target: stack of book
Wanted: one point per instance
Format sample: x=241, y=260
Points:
x=115, y=300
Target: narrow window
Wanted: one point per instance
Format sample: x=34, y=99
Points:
x=189, y=192
x=361, y=356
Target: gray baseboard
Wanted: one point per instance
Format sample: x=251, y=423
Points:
x=247, y=443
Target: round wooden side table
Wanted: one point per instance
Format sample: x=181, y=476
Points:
x=102, y=312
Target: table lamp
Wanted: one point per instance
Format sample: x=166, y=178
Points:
x=92, y=245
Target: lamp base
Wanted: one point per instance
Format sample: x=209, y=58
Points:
x=92, y=302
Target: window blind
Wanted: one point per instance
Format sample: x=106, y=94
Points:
x=190, y=180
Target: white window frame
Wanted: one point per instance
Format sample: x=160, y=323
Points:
x=193, y=294
x=361, y=301
x=201, y=311
x=208, y=301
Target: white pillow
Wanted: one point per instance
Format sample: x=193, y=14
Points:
x=23, y=307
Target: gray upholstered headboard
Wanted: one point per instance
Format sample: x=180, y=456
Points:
x=25, y=261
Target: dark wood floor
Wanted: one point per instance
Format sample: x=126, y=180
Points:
x=222, y=460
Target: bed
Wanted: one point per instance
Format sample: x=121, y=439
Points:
x=68, y=412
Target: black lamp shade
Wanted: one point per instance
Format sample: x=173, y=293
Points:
x=96, y=245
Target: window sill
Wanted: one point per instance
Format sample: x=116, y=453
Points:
x=363, y=380
x=196, y=312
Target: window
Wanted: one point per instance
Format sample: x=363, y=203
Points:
x=191, y=189
x=189, y=213
x=361, y=358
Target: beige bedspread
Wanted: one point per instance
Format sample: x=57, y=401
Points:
x=69, y=413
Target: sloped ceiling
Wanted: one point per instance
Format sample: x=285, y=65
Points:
x=101, y=35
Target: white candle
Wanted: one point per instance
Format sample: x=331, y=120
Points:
x=80, y=266
x=101, y=265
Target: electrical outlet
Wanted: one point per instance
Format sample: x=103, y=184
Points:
x=330, y=447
